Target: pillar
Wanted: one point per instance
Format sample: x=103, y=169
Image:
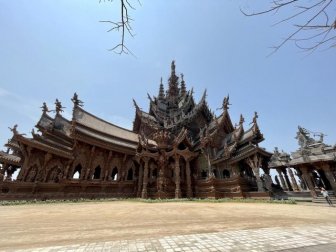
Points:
x=283, y=183
x=267, y=179
x=294, y=184
x=141, y=173
x=307, y=178
x=289, y=186
x=303, y=184
x=177, y=177
x=329, y=176
x=145, y=180
x=189, y=190
x=259, y=181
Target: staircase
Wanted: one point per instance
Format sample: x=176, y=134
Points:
x=321, y=200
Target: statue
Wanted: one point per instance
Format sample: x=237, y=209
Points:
x=14, y=129
x=45, y=108
x=76, y=101
x=303, y=137
x=59, y=107
x=226, y=103
x=254, y=120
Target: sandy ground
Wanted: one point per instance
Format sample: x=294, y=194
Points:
x=29, y=226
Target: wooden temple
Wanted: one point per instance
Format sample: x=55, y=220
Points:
x=309, y=168
x=178, y=149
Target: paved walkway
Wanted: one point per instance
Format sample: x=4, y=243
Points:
x=295, y=239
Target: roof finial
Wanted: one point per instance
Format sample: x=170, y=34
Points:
x=241, y=120
x=161, y=90
x=254, y=120
x=226, y=102
x=173, y=90
x=173, y=66
x=76, y=101
x=45, y=108
x=14, y=129
x=59, y=107
x=183, y=86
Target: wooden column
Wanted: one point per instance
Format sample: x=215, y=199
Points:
x=141, y=173
x=145, y=179
x=255, y=163
x=283, y=183
x=329, y=176
x=303, y=183
x=307, y=178
x=289, y=186
x=294, y=184
x=177, y=177
x=189, y=190
x=86, y=173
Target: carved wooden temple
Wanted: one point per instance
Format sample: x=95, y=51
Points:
x=314, y=164
x=178, y=149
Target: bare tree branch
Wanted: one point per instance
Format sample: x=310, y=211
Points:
x=123, y=26
x=315, y=31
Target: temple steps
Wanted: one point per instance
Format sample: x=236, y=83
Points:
x=321, y=200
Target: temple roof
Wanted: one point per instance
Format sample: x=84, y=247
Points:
x=97, y=125
x=9, y=158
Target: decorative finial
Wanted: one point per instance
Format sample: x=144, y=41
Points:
x=14, y=129
x=183, y=86
x=45, y=108
x=161, y=90
x=254, y=120
x=173, y=90
x=59, y=107
x=241, y=120
x=76, y=101
x=173, y=66
x=226, y=102
x=276, y=151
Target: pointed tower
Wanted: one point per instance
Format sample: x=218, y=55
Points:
x=173, y=90
x=183, y=86
x=161, y=91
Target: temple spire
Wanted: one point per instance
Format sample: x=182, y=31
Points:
x=161, y=91
x=183, y=86
x=173, y=82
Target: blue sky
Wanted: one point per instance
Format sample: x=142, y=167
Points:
x=50, y=49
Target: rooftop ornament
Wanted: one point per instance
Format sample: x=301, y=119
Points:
x=45, y=108
x=59, y=107
x=76, y=101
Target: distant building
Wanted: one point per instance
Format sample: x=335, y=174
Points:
x=314, y=164
x=177, y=149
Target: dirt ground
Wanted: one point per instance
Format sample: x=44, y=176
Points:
x=40, y=225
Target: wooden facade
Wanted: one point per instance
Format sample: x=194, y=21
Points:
x=179, y=149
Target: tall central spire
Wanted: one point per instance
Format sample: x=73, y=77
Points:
x=173, y=90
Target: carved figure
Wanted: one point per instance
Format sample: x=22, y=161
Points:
x=76, y=101
x=303, y=137
x=45, y=108
x=255, y=117
x=59, y=107
x=14, y=129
